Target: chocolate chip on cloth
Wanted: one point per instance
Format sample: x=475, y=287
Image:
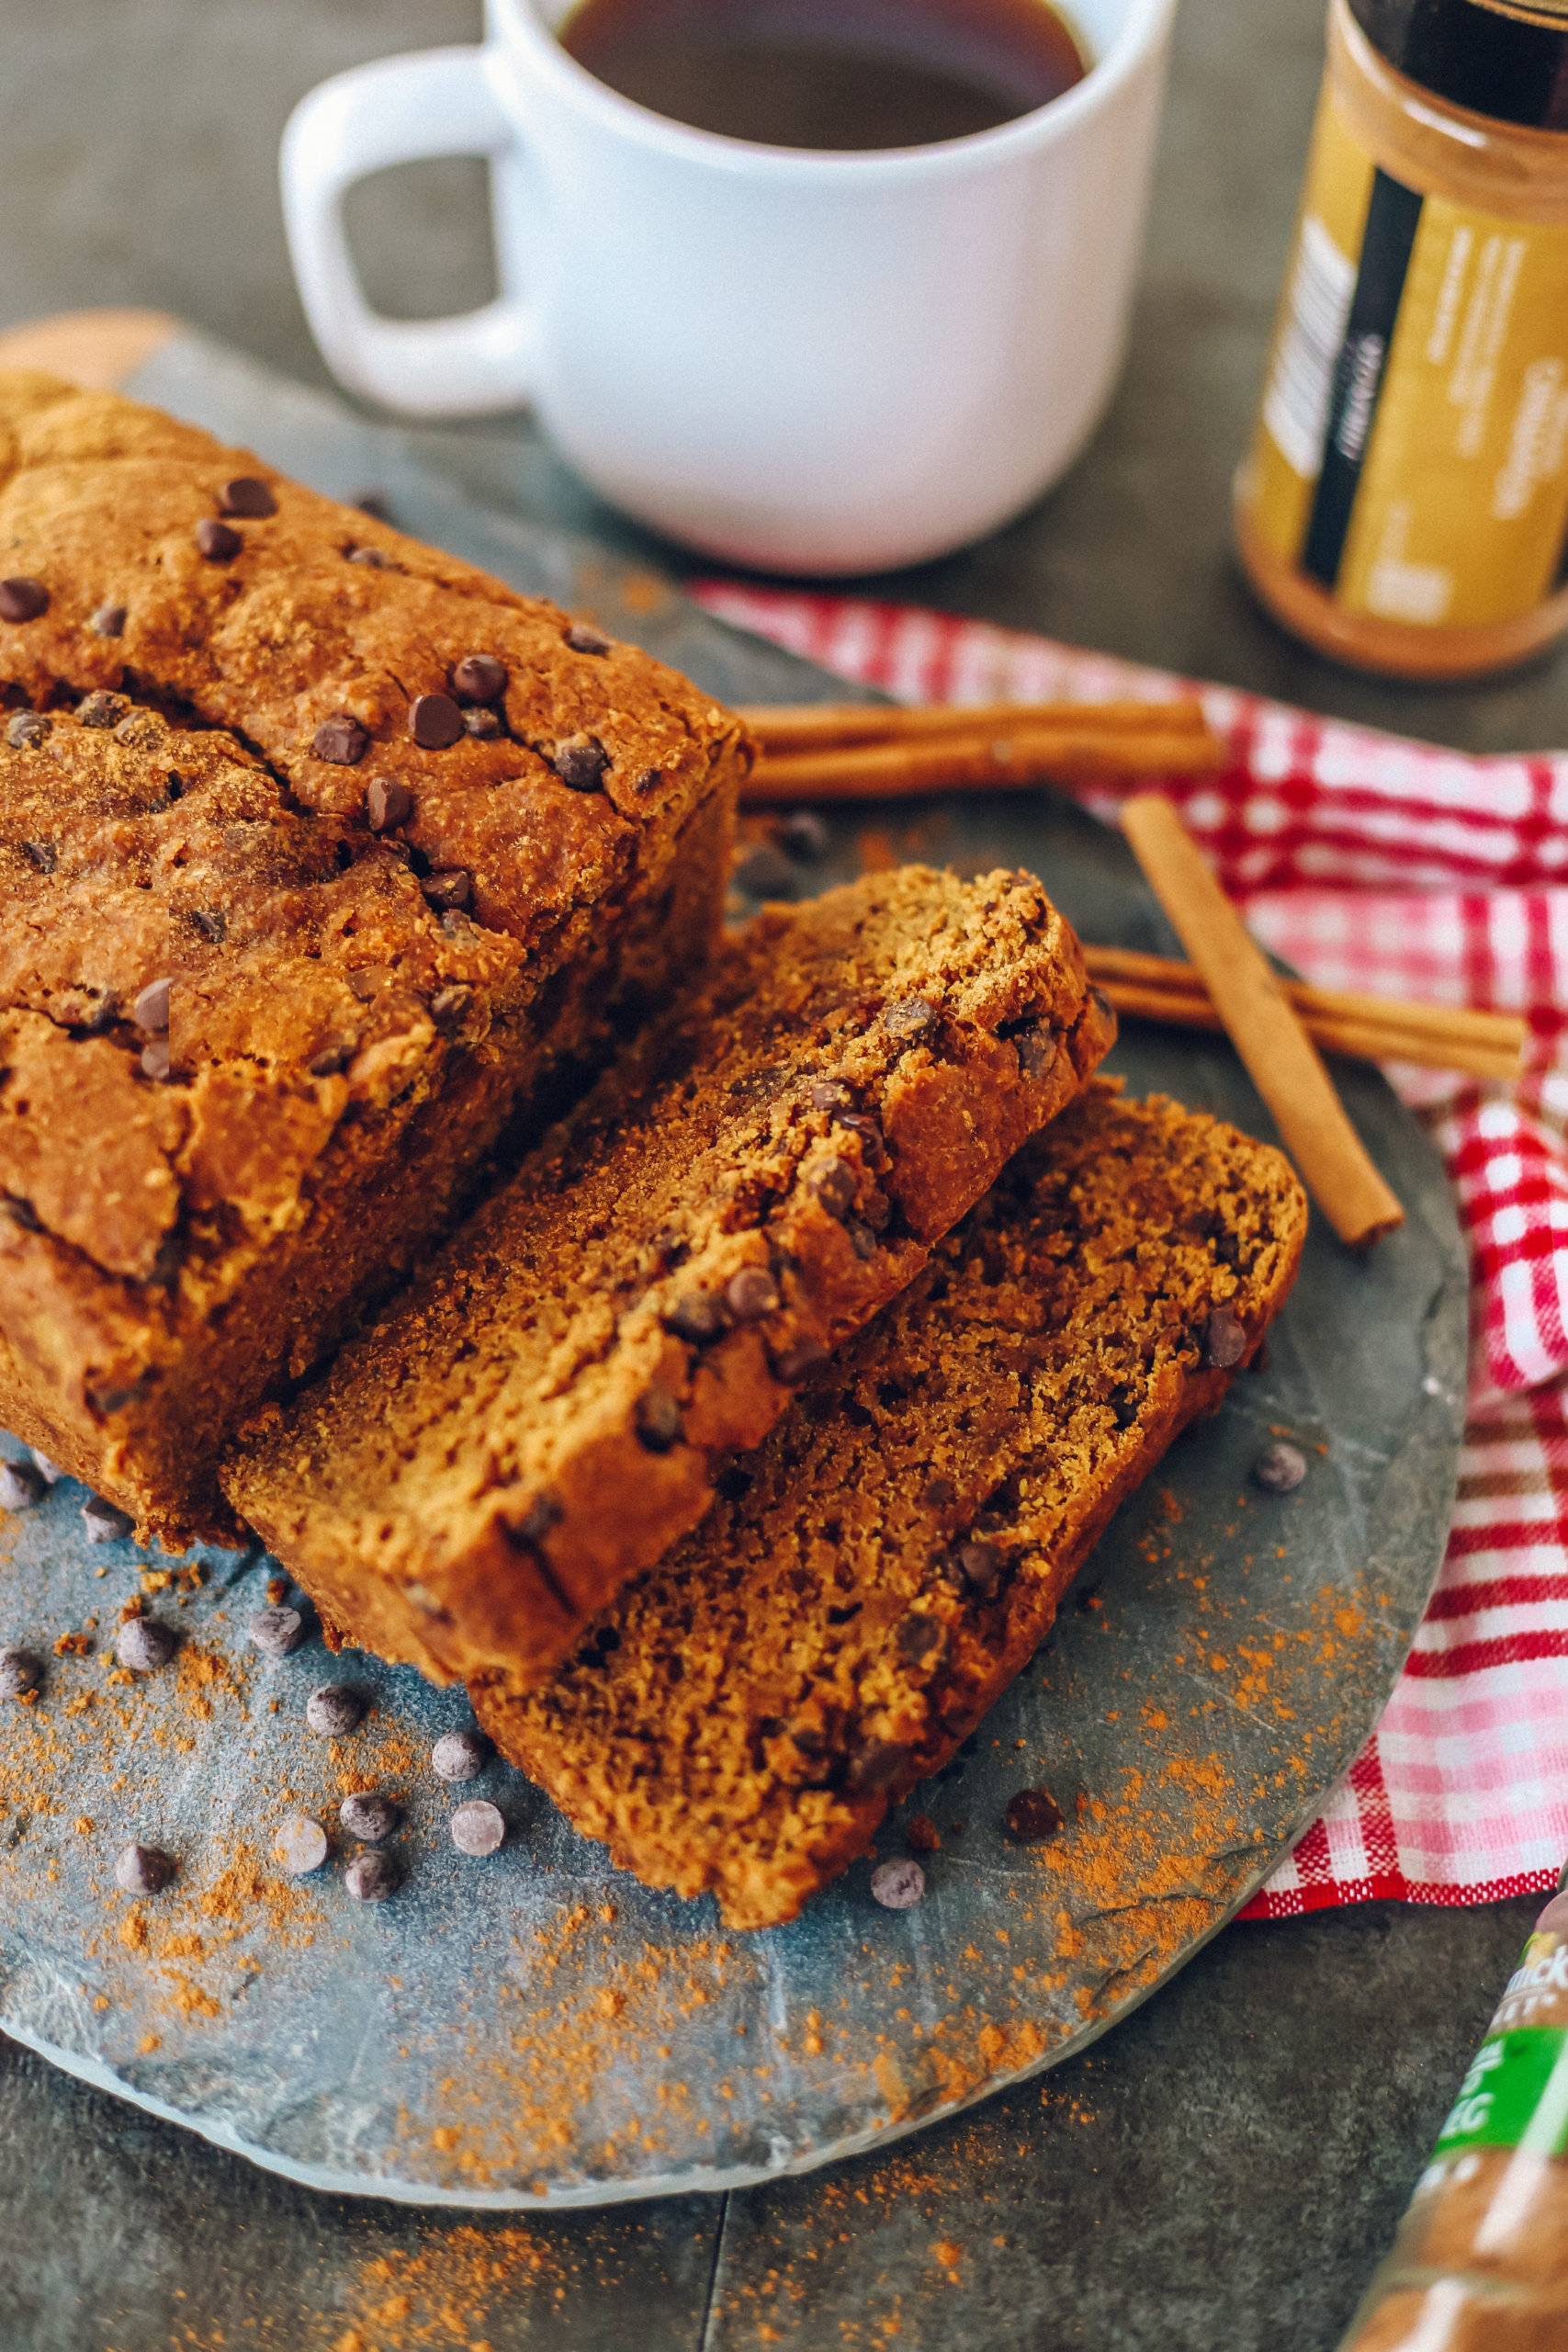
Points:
x=368, y=1816
x=1280, y=1469
x=333, y=1710
x=142, y=1869
x=460, y=1756
x=300, y=1844
x=104, y=1523
x=372, y=1877
x=898, y=1886
x=22, y=1485
x=20, y=1671
x=277, y=1632
x=478, y=1828
x=144, y=1643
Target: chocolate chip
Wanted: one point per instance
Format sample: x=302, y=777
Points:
x=546, y=1510
x=1280, y=1468
x=583, y=639
x=368, y=1816
x=834, y=1185
x=23, y=1484
x=109, y=621
x=1036, y=1050
x=435, y=722
x=142, y=1869
x=24, y=729
x=275, y=1632
x=246, y=495
x=792, y=1363
x=376, y=558
x=804, y=838
x=917, y=1636
x=763, y=872
x=370, y=980
x=478, y=677
x=909, y=1017
x=581, y=762
x=217, y=541
x=156, y=1061
x=50, y=1470
x=44, y=856
x=373, y=1877
x=831, y=1094
x=875, y=1765
x=104, y=1522
x=478, y=1828
x=332, y=1059
x=448, y=1005
x=101, y=709
x=150, y=1007
x=19, y=1671
x=333, y=1710
x=212, y=923
x=1033, y=1815
x=1224, y=1339
x=659, y=1425
x=460, y=1756
x=484, y=724
x=22, y=599
x=145, y=1644
x=340, y=739
x=898, y=1886
x=697, y=1316
x=300, y=1844
x=451, y=888
x=387, y=805
x=752, y=1292
x=938, y=1492
x=980, y=1566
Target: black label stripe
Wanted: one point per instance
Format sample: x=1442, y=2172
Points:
x=1393, y=219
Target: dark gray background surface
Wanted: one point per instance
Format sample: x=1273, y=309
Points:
x=1222, y=2173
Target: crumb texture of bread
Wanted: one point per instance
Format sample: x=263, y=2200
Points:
x=879, y=1570
x=544, y=1412
x=411, y=853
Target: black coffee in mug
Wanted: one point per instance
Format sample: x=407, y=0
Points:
x=830, y=73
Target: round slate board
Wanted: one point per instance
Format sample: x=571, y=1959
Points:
x=537, y=2026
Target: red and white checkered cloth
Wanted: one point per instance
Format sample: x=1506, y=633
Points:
x=1376, y=864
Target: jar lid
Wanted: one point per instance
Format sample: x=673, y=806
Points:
x=1504, y=58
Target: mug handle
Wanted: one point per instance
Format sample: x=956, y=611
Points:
x=398, y=110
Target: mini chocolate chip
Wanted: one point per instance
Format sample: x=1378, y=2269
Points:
x=142, y=1869
x=101, y=709
x=373, y=1877
x=376, y=558
x=448, y=1005
x=898, y=1886
x=1036, y=1050
x=340, y=739
x=792, y=1363
x=763, y=872
x=217, y=541
x=333, y=1710
x=581, y=762
x=698, y=1317
x=23, y=1484
x=368, y=1816
x=916, y=1636
x=51, y=1470
x=24, y=729
x=583, y=639
x=834, y=1185
x=862, y=1240
x=478, y=677
x=752, y=1292
x=332, y=1059
x=478, y=1828
x=908, y=1017
x=109, y=621
x=875, y=1765
x=482, y=723
x=43, y=854
x=546, y=1510
x=804, y=838
x=212, y=923
x=145, y=1644
x=19, y=1671
x=980, y=1565
x=105, y=1521
x=369, y=980
x=1280, y=1468
x=1224, y=1339
x=246, y=495
x=831, y=1094
x=659, y=1425
x=22, y=599
x=300, y=1844
x=150, y=1007
x=156, y=1061
x=435, y=722
x=1033, y=1815
x=387, y=805
x=460, y=1756
x=275, y=1632
x=451, y=888
x=938, y=1492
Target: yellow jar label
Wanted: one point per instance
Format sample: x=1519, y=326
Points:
x=1411, y=458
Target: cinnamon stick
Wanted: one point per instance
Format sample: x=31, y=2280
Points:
x=1263, y=1025
x=811, y=726
x=1027, y=756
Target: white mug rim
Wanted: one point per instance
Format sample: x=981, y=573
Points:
x=520, y=23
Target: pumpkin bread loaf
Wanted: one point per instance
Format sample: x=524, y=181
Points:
x=323, y=859
x=875, y=1577
x=545, y=1412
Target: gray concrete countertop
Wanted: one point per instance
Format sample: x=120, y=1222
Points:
x=1220, y=2174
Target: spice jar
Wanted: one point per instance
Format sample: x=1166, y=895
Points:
x=1481, y=2254
x=1405, y=506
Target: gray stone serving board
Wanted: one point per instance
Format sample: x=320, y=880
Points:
x=540, y=2029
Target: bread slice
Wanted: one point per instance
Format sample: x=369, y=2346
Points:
x=879, y=1571
x=544, y=1413
x=379, y=946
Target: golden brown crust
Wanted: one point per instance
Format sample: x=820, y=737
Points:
x=546, y=1412
x=745, y=1714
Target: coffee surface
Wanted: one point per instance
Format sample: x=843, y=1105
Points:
x=837, y=75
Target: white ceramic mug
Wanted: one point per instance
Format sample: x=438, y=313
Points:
x=807, y=362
